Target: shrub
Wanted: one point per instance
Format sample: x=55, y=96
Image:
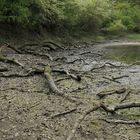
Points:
x=128, y=14
x=93, y=14
x=116, y=27
x=29, y=12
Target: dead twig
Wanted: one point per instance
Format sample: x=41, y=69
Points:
x=80, y=119
x=63, y=113
x=111, y=92
x=122, y=122
x=125, y=96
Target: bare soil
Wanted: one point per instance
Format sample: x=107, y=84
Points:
x=29, y=111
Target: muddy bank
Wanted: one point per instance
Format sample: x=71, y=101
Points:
x=29, y=111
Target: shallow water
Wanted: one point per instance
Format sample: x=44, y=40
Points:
x=128, y=54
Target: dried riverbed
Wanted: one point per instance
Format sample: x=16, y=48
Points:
x=29, y=111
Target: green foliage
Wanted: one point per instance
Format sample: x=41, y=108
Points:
x=72, y=15
x=29, y=12
x=128, y=16
x=116, y=27
x=93, y=14
x=134, y=36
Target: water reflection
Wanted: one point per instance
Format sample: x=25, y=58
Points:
x=128, y=54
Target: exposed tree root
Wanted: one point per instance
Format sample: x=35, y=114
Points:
x=38, y=54
x=21, y=90
x=113, y=79
x=21, y=50
x=39, y=71
x=50, y=81
x=125, y=96
x=107, y=109
x=116, y=66
x=122, y=122
x=104, y=65
x=111, y=92
x=90, y=52
x=60, y=59
x=13, y=61
x=53, y=87
x=16, y=75
x=75, y=77
x=73, y=61
x=51, y=45
x=62, y=79
x=80, y=119
x=3, y=69
x=78, y=89
x=13, y=48
x=29, y=44
x=96, y=68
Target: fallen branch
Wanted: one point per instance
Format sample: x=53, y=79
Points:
x=122, y=121
x=63, y=113
x=112, y=109
x=111, y=92
x=80, y=119
x=33, y=106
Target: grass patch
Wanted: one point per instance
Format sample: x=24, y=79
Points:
x=134, y=36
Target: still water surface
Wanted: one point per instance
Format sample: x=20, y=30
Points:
x=127, y=54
